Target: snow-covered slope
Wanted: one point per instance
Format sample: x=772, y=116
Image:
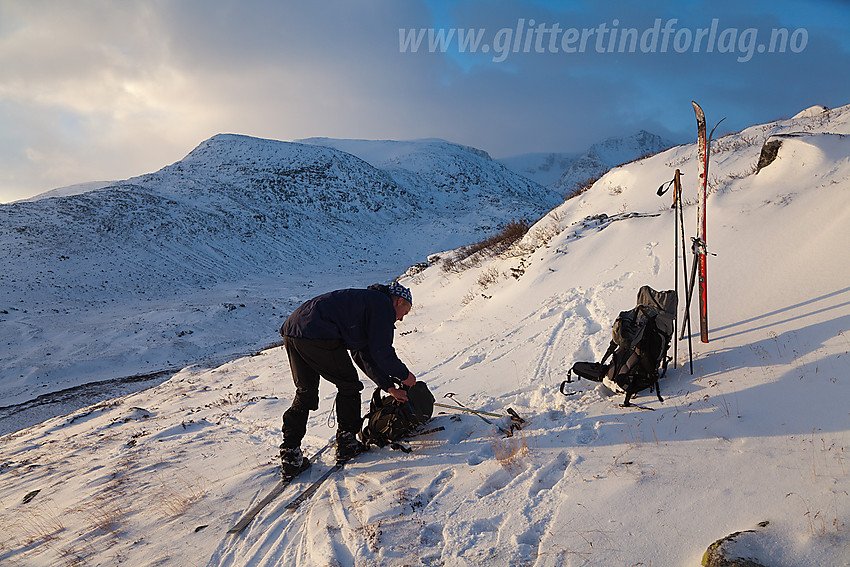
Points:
x=69, y=190
x=196, y=260
x=757, y=434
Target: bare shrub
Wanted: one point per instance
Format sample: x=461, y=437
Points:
x=472, y=254
x=103, y=515
x=176, y=495
x=39, y=524
x=488, y=277
x=544, y=233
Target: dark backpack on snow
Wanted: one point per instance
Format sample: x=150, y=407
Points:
x=639, y=344
x=389, y=420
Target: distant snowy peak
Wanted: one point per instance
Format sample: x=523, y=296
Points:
x=622, y=150
x=382, y=152
x=235, y=163
x=251, y=152
x=602, y=156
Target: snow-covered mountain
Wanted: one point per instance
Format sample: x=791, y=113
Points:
x=544, y=168
x=435, y=171
x=132, y=256
x=602, y=156
x=566, y=173
x=753, y=443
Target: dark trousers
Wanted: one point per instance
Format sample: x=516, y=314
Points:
x=309, y=359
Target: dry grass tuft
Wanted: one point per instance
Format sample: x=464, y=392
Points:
x=176, y=497
x=511, y=451
x=104, y=515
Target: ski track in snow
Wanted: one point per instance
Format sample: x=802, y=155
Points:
x=432, y=524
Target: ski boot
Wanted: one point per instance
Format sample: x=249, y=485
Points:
x=348, y=446
x=292, y=461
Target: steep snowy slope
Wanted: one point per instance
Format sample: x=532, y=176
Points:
x=755, y=439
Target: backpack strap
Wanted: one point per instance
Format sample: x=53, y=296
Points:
x=611, y=348
x=563, y=386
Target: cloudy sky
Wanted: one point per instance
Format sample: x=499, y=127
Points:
x=104, y=90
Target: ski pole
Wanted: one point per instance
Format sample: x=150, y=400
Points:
x=516, y=420
x=677, y=179
x=467, y=410
x=480, y=414
x=677, y=186
x=678, y=220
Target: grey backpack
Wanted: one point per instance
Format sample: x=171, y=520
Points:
x=640, y=338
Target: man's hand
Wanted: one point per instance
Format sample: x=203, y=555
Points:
x=410, y=380
x=400, y=395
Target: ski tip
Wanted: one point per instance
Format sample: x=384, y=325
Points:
x=700, y=115
x=711, y=136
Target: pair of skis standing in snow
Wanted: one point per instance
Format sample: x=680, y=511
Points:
x=641, y=336
x=699, y=246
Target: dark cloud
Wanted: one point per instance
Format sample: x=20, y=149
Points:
x=97, y=89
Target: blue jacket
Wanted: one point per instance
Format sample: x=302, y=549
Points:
x=364, y=319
